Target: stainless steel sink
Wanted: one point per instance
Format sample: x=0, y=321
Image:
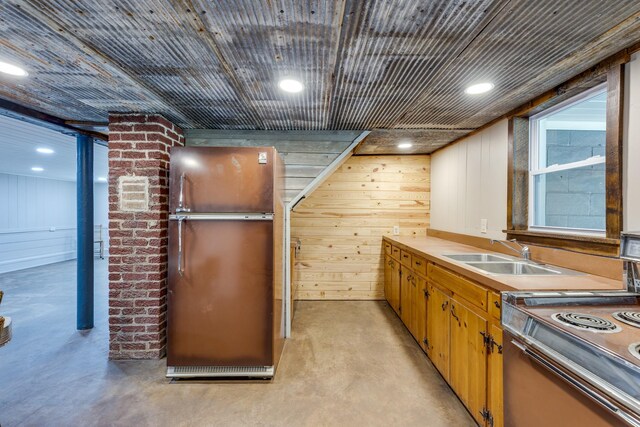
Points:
x=466, y=258
x=516, y=268
x=504, y=264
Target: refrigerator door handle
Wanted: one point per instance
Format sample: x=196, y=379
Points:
x=181, y=207
x=180, y=254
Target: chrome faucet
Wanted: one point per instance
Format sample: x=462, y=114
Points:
x=523, y=251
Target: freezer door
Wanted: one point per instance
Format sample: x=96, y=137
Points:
x=220, y=300
x=221, y=179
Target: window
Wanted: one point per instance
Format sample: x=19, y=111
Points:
x=567, y=165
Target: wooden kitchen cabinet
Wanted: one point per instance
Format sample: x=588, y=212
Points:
x=394, y=291
x=387, y=277
x=495, y=305
x=405, y=258
x=495, y=404
x=419, y=310
x=457, y=322
x=395, y=252
x=406, y=293
x=438, y=329
x=460, y=286
x=468, y=358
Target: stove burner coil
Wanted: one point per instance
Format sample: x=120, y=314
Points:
x=586, y=322
x=635, y=349
x=629, y=317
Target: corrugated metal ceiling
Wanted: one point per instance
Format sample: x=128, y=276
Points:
x=386, y=64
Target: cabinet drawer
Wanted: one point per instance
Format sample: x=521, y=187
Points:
x=468, y=290
x=419, y=265
x=395, y=252
x=495, y=304
x=387, y=248
x=405, y=258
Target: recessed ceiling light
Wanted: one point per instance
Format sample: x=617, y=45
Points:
x=37, y=169
x=102, y=179
x=479, y=88
x=12, y=69
x=405, y=145
x=44, y=150
x=290, y=85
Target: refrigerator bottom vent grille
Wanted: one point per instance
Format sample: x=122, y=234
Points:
x=219, y=371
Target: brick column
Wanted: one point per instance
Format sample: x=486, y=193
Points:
x=138, y=218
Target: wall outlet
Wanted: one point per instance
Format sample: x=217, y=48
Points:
x=396, y=230
x=483, y=225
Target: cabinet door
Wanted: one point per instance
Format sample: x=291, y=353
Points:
x=406, y=292
x=419, y=310
x=438, y=328
x=395, y=286
x=494, y=397
x=388, y=262
x=468, y=371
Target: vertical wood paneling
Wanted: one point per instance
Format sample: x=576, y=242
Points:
x=470, y=183
x=632, y=145
x=341, y=224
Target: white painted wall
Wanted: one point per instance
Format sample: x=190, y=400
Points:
x=101, y=211
x=29, y=209
x=469, y=183
x=631, y=136
x=38, y=220
x=469, y=178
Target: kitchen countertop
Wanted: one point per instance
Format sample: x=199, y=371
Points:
x=434, y=249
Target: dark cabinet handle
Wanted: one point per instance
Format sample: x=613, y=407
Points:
x=426, y=293
x=494, y=343
x=444, y=305
x=497, y=304
x=453, y=313
x=418, y=263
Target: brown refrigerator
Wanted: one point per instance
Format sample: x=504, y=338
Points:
x=226, y=253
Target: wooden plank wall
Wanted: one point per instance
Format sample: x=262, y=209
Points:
x=341, y=224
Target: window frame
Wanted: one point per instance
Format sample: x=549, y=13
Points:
x=535, y=170
x=611, y=72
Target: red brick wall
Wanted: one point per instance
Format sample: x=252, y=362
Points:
x=138, y=147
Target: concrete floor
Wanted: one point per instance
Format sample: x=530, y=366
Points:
x=348, y=363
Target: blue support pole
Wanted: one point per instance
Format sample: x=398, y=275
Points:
x=84, y=186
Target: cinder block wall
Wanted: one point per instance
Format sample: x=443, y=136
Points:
x=138, y=221
x=575, y=198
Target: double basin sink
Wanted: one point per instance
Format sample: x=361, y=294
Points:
x=498, y=264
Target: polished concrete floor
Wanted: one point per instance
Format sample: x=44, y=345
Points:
x=348, y=363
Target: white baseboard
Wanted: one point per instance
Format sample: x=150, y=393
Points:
x=35, y=261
